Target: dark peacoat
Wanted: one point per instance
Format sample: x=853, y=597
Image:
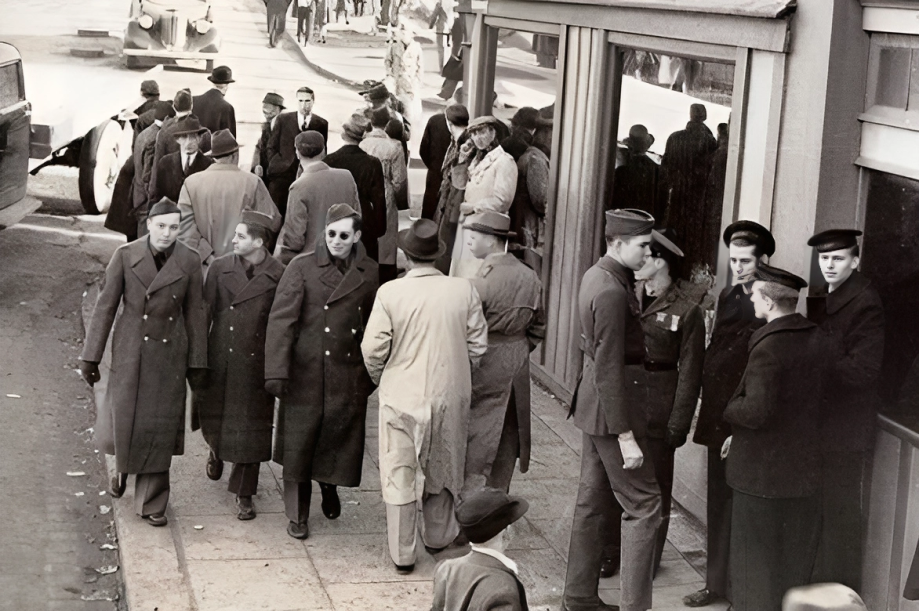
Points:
x=774, y=413
x=236, y=414
x=314, y=341
x=477, y=582
x=170, y=176
x=282, y=154
x=159, y=335
x=433, y=150
x=852, y=320
x=214, y=112
x=367, y=172
x=724, y=363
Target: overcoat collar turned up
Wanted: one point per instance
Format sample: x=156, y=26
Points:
x=332, y=278
x=144, y=267
x=791, y=322
x=850, y=289
x=265, y=277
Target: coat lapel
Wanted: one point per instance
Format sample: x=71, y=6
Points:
x=266, y=278
x=172, y=271
x=850, y=289
x=355, y=276
x=142, y=261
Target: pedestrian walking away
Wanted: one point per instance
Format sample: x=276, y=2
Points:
x=313, y=364
x=232, y=407
x=425, y=334
x=211, y=107
x=499, y=419
x=159, y=341
x=276, y=11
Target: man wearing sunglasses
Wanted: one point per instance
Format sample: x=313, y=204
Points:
x=313, y=363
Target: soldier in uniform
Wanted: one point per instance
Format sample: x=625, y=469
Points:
x=236, y=413
x=669, y=383
x=851, y=317
x=614, y=428
x=725, y=359
x=511, y=293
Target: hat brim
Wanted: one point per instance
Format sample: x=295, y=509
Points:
x=478, y=228
x=643, y=143
x=661, y=239
x=512, y=512
x=400, y=241
x=220, y=82
x=211, y=153
x=189, y=132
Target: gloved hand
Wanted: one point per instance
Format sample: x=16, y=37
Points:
x=90, y=372
x=675, y=439
x=277, y=388
x=726, y=447
x=197, y=377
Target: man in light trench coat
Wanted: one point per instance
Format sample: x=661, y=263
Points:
x=499, y=422
x=160, y=340
x=425, y=334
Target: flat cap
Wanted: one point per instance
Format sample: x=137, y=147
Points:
x=182, y=100
x=274, y=98
x=457, y=114
x=338, y=212
x=834, y=239
x=490, y=223
x=767, y=273
x=628, y=222
x=752, y=232
x=270, y=222
x=481, y=122
x=309, y=143
x=150, y=88
x=488, y=511
x=164, y=206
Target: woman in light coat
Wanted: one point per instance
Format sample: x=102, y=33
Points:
x=491, y=183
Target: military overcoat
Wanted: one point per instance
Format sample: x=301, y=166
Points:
x=159, y=334
x=235, y=412
x=314, y=341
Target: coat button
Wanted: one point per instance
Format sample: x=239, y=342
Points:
x=170, y=318
x=165, y=341
x=231, y=350
x=325, y=307
x=146, y=338
x=231, y=328
x=173, y=296
x=327, y=353
x=231, y=307
x=148, y=296
x=326, y=329
x=145, y=317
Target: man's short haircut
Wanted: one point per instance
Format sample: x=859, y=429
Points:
x=356, y=223
x=626, y=239
x=784, y=297
x=257, y=231
x=743, y=242
x=380, y=117
x=306, y=89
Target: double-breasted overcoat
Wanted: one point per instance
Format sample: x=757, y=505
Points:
x=234, y=410
x=314, y=341
x=159, y=335
x=367, y=172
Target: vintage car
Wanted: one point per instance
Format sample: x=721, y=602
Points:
x=171, y=29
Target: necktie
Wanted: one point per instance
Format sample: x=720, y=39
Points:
x=185, y=168
x=303, y=127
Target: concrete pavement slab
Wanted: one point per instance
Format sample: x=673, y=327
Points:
x=556, y=532
x=362, y=513
x=523, y=535
x=226, y=538
x=382, y=596
x=359, y=559
x=542, y=573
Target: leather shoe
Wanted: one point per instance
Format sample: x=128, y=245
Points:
x=609, y=567
x=157, y=519
x=331, y=505
x=118, y=484
x=246, y=510
x=214, y=468
x=405, y=569
x=298, y=531
x=702, y=598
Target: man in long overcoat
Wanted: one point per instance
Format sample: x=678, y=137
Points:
x=160, y=339
x=214, y=112
x=367, y=172
x=174, y=168
x=212, y=201
x=434, y=144
x=851, y=317
x=636, y=181
x=511, y=293
x=425, y=333
x=235, y=411
x=773, y=454
x=453, y=185
x=613, y=465
x=144, y=149
x=272, y=106
x=313, y=363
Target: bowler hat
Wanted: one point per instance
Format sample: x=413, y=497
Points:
x=767, y=273
x=148, y=88
x=221, y=75
x=490, y=223
x=376, y=91
x=628, y=222
x=271, y=222
x=639, y=138
x=187, y=126
x=274, y=98
x=338, y=212
x=164, y=206
x=834, y=239
x=422, y=241
x=457, y=114
x=486, y=512
x=222, y=144
x=182, y=101
x=752, y=232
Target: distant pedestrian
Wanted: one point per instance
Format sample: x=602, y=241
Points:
x=313, y=364
x=211, y=107
x=233, y=408
x=439, y=23
x=277, y=19
x=306, y=14
x=159, y=341
x=165, y=140
x=425, y=333
x=377, y=96
x=272, y=106
x=405, y=65
x=174, y=168
x=341, y=7
x=453, y=69
x=636, y=183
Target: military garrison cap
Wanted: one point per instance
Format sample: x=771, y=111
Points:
x=164, y=206
x=338, y=212
x=767, y=273
x=270, y=222
x=834, y=239
x=628, y=222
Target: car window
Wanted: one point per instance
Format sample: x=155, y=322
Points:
x=11, y=84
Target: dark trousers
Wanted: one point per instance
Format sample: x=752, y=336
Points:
x=244, y=478
x=279, y=189
x=151, y=493
x=502, y=469
x=448, y=89
x=773, y=546
x=844, y=501
x=718, y=516
x=297, y=499
x=603, y=483
x=304, y=25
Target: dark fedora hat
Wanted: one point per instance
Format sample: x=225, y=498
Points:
x=222, y=144
x=422, y=241
x=221, y=75
x=188, y=126
x=639, y=138
x=752, y=232
x=490, y=223
x=375, y=91
x=274, y=98
x=487, y=511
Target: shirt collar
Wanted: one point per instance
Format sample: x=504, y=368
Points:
x=497, y=556
x=302, y=117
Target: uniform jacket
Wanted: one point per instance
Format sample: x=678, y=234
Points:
x=214, y=112
x=674, y=329
x=367, y=172
x=212, y=202
x=774, y=413
x=477, y=582
x=318, y=189
x=170, y=176
x=159, y=334
x=423, y=331
x=314, y=341
x=236, y=413
x=724, y=363
x=852, y=320
x=511, y=296
x=611, y=339
x=282, y=155
x=434, y=144
x=395, y=177
x=144, y=150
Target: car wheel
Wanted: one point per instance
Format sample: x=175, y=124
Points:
x=105, y=149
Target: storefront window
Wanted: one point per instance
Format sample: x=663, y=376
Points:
x=673, y=149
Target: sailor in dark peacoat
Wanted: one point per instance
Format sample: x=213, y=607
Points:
x=282, y=154
x=313, y=344
x=214, y=112
x=433, y=150
x=170, y=176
